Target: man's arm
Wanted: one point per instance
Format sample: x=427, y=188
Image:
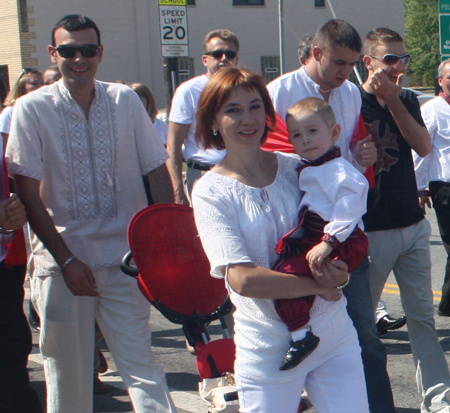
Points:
x=160, y=185
x=78, y=276
x=415, y=135
x=175, y=138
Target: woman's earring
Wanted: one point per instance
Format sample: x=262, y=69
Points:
x=215, y=132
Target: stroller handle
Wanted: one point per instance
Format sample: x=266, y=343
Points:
x=127, y=268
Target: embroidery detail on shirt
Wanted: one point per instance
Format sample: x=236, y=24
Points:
x=91, y=151
x=387, y=141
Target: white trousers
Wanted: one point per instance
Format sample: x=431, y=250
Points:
x=334, y=385
x=67, y=342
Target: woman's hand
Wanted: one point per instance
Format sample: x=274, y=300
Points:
x=334, y=273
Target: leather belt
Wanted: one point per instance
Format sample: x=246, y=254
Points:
x=199, y=165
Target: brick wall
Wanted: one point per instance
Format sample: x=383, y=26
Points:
x=16, y=31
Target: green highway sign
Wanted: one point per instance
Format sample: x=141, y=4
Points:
x=444, y=6
x=444, y=33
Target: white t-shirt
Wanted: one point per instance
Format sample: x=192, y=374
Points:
x=5, y=119
x=337, y=192
x=162, y=129
x=90, y=170
x=345, y=101
x=242, y=224
x=184, y=111
x=435, y=166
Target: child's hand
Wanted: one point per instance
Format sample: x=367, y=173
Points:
x=316, y=255
x=333, y=294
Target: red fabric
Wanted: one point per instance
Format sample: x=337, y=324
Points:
x=223, y=352
x=173, y=268
x=278, y=140
x=17, y=254
x=295, y=312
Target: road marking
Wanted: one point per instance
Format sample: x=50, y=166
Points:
x=394, y=289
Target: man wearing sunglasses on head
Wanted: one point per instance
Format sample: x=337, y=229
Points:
x=220, y=49
x=395, y=225
x=78, y=150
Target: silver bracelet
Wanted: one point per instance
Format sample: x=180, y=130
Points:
x=68, y=261
x=345, y=284
x=6, y=231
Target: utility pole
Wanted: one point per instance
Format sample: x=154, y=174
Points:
x=280, y=35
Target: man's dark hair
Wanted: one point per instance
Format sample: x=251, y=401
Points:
x=338, y=32
x=304, y=47
x=380, y=35
x=222, y=34
x=73, y=23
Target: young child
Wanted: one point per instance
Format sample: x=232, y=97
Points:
x=335, y=197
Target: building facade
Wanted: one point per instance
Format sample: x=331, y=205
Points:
x=131, y=33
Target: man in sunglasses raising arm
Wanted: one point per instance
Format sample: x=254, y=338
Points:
x=220, y=49
x=395, y=225
x=78, y=150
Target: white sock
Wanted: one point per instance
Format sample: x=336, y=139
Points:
x=300, y=334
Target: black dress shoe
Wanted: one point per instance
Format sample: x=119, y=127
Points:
x=299, y=351
x=389, y=323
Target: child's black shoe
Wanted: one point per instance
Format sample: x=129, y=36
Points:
x=299, y=351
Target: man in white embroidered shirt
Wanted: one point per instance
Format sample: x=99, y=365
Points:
x=434, y=170
x=78, y=150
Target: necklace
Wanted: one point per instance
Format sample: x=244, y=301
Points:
x=325, y=91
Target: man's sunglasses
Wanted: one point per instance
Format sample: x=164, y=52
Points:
x=392, y=59
x=68, y=51
x=217, y=54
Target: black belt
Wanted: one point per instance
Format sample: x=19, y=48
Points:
x=199, y=165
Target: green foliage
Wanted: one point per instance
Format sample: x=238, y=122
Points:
x=422, y=40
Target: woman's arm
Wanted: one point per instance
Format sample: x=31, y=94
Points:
x=250, y=280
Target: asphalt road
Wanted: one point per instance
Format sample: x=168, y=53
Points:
x=169, y=347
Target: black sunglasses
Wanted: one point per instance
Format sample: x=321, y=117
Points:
x=26, y=70
x=392, y=59
x=217, y=54
x=68, y=51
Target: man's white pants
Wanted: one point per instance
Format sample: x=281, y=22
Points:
x=67, y=342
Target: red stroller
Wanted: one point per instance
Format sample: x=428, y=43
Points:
x=173, y=273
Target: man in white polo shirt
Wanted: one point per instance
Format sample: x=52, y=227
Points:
x=335, y=51
x=220, y=49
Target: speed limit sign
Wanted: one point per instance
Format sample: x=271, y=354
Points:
x=173, y=26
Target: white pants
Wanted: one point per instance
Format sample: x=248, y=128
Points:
x=334, y=385
x=67, y=342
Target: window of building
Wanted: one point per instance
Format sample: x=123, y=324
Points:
x=319, y=3
x=185, y=69
x=248, y=2
x=270, y=67
x=190, y=2
x=4, y=77
x=23, y=15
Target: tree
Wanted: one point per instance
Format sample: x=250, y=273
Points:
x=422, y=39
